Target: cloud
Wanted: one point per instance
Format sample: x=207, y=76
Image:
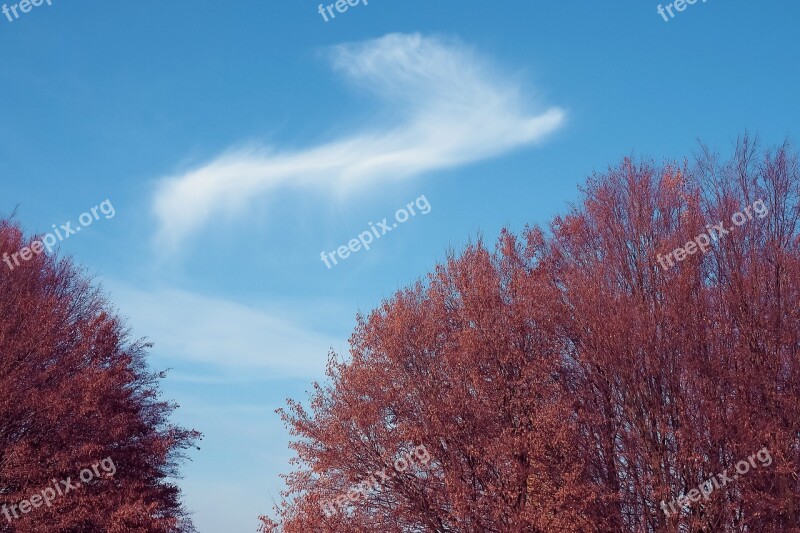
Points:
x=224, y=337
x=450, y=107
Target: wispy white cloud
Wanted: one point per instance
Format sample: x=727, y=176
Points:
x=454, y=108
x=222, y=336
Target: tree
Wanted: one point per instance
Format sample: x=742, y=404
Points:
x=581, y=380
x=684, y=371
x=76, y=394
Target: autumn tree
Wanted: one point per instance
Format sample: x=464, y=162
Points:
x=685, y=370
x=575, y=379
x=75, y=391
x=468, y=366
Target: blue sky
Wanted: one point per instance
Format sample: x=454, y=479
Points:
x=238, y=141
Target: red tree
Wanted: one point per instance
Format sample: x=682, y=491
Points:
x=683, y=371
x=575, y=381
x=74, y=393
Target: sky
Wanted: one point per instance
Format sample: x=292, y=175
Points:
x=245, y=146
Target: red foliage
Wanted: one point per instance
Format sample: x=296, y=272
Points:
x=73, y=391
x=570, y=383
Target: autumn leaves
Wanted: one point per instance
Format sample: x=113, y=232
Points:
x=377, y=479
x=73, y=389
x=564, y=382
x=715, y=232
x=61, y=488
x=706, y=488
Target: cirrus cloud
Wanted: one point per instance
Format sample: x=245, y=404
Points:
x=454, y=108
x=224, y=336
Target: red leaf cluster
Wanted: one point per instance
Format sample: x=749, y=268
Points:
x=74, y=391
x=567, y=382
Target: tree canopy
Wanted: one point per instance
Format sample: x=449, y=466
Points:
x=572, y=379
x=75, y=393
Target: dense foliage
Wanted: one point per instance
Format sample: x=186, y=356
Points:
x=569, y=382
x=75, y=392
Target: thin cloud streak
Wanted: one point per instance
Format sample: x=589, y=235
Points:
x=454, y=108
x=224, y=335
